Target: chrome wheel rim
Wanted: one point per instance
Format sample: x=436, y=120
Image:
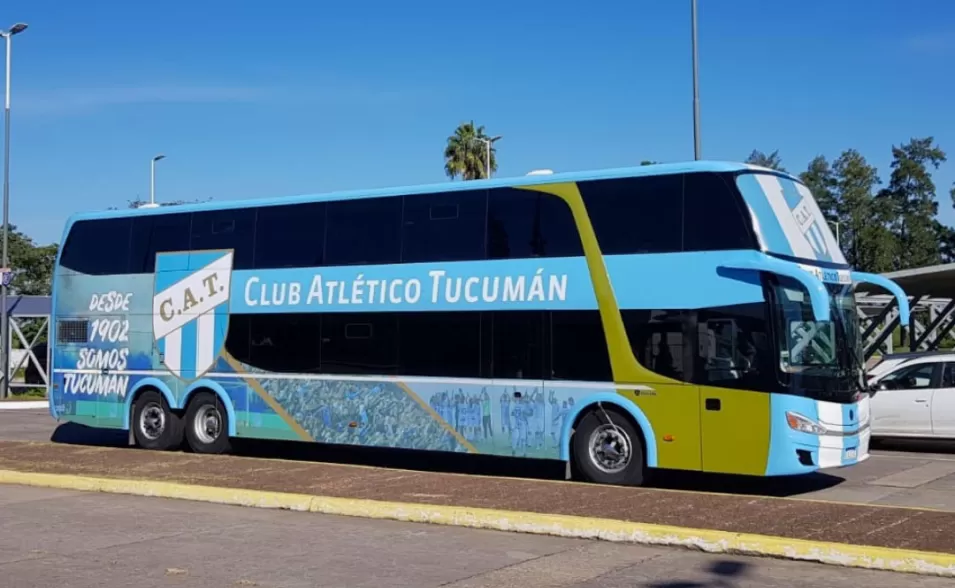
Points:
x=207, y=425
x=610, y=449
x=152, y=421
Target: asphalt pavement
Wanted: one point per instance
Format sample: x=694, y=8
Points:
x=76, y=540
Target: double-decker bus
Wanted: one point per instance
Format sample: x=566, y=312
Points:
x=693, y=316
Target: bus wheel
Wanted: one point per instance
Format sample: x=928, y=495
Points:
x=155, y=426
x=608, y=449
x=207, y=424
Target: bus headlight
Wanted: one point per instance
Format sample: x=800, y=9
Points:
x=797, y=422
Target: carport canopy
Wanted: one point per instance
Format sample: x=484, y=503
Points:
x=936, y=281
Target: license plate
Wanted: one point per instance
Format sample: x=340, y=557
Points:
x=851, y=453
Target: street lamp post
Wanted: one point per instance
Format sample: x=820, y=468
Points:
x=152, y=180
x=836, y=225
x=4, y=316
x=697, y=149
x=487, y=152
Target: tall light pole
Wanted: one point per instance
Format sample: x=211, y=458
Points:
x=487, y=152
x=4, y=317
x=152, y=180
x=836, y=224
x=697, y=149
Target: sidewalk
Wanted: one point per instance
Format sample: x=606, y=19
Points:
x=859, y=525
x=17, y=404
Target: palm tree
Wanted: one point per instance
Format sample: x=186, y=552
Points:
x=466, y=152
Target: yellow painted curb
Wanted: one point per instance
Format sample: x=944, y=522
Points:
x=855, y=556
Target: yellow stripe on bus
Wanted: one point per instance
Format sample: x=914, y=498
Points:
x=673, y=410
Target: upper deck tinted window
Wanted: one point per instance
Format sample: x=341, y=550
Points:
x=290, y=236
x=444, y=227
x=636, y=215
x=523, y=224
x=363, y=231
x=226, y=229
x=157, y=234
x=98, y=247
x=713, y=215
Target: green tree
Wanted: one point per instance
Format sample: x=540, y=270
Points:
x=32, y=264
x=771, y=160
x=946, y=242
x=465, y=153
x=865, y=240
x=820, y=180
x=32, y=267
x=911, y=198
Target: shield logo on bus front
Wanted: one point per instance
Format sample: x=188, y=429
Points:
x=191, y=309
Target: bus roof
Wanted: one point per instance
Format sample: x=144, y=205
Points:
x=528, y=180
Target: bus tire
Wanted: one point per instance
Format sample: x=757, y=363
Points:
x=155, y=425
x=207, y=424
x=608, y=448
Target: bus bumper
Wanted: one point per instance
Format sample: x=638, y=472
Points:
x=810, y=435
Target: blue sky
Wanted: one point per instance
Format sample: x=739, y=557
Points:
x=289, y=97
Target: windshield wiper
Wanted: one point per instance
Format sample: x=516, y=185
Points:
x=856, y=367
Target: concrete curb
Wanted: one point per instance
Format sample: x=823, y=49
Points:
x=853, y=556
x=23, y=404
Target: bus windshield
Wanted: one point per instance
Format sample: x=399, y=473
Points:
x=831, y=350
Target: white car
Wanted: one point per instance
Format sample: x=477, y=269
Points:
x=913, y=395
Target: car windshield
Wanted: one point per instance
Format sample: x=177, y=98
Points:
x=830, y=347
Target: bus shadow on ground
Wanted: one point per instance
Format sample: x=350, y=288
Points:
x=937, y=446
x=74, y=434
x=477, y=465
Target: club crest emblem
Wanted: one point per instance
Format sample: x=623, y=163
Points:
x=191, y=309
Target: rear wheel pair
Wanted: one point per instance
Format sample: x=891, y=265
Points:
x=608, y=449
x=204, y=426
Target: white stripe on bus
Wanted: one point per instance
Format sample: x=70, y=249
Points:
x=404, y=379
x=172, y=353
x=205, y=343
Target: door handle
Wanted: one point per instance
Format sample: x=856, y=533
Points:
x=712, y=404
x=921, y=400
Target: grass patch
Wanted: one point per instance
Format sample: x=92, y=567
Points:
x=28, y=394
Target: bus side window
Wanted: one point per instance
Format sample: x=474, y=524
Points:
x=734, y=348
x=718, y=346
x=157, y=234
x=659, y=341
x=290, y=235
x=578, y=347
x=425, y=349
x=713, y=215
x=636, y=215
x=523, y=224
x=444, y=227
x=363, y=231
x=225, y=229
x=97, y=247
